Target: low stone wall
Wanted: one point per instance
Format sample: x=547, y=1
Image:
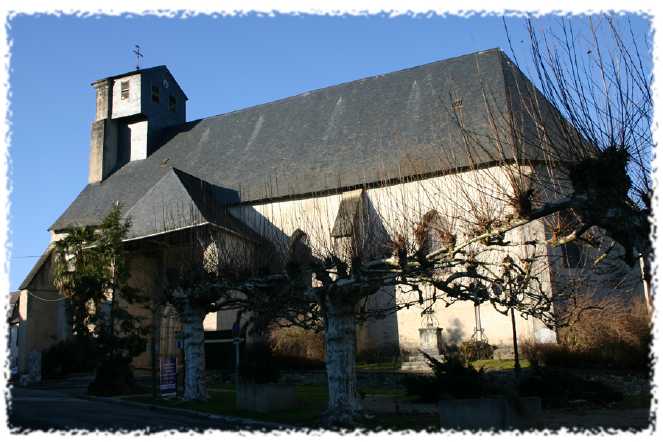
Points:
x=265, y=398
x=486, y=413
x=627, y=384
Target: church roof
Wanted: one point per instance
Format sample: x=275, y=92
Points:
x=179, y=200
x=366, y=131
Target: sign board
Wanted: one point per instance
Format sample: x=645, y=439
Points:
x=236, y=329
x=168, y=376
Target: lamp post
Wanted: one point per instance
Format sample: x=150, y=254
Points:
x=236, y=340
x=507, y=286
x=516, y=363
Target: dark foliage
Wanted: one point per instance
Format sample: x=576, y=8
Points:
x=603, y=178
x=557, y=387
x=294, y=348
x=613, y=355
x=258, y=365
x=604, y=334
x=296, y=362
x=113, y=377
x=424, y=388
x=90, y=265
x=475, y=350
x=453, y=378
x=74, y=355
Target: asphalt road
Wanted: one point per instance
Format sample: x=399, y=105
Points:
x=48, y=409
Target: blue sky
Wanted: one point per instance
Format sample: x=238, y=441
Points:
x=222, y=64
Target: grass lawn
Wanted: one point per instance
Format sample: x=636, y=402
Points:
x=498, y=364
x=222, y=401
x=312, y=403
x=379, y=366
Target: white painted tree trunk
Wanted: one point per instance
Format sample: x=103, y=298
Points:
x=195, y=387
x=340, y=338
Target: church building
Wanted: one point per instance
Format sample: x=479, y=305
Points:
x=375, y=147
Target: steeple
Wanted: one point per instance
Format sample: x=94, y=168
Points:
x=131, y=110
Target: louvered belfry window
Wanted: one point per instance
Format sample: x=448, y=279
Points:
x=124, y=90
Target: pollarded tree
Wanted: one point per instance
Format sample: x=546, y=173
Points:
x=327, y=283
x=590, y=120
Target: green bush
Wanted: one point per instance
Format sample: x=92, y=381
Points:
x=614, y=355
x=453, y=378
x=74, y=355
x=423, y=387
x=475, y=350
x=556, y=388
x=113, y=377
x=258, y=365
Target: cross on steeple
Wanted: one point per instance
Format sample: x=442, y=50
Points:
x=138, y=56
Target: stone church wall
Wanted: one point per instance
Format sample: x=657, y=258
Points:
x=394, y=210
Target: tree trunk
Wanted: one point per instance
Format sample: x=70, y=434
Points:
x=340, y=338
x=194, y=353
x=645, y=274
x=155, y=352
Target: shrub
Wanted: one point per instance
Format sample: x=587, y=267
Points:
x=258, y=366
x=73, y=355
x=423, y=387
x=453, y=378
x=556, y=388
x=475, y=350
x=113, y=377
x=296, y=348
x=610, y=335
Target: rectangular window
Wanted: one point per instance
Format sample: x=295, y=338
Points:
x=172, y=103
x=155, y=94
x=124, y=90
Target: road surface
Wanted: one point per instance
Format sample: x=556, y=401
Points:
x=49, y=409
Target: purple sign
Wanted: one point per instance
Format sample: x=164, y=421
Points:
x=168, y=376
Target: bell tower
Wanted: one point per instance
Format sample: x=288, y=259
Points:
x=131, y=111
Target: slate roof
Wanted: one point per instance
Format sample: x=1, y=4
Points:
x=179, y=200
x=365, y=131
x=13, y=316
x=35, y=269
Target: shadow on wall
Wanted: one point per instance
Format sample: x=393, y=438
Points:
x=378, y=337
x=454, y=332
x=265, y=229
